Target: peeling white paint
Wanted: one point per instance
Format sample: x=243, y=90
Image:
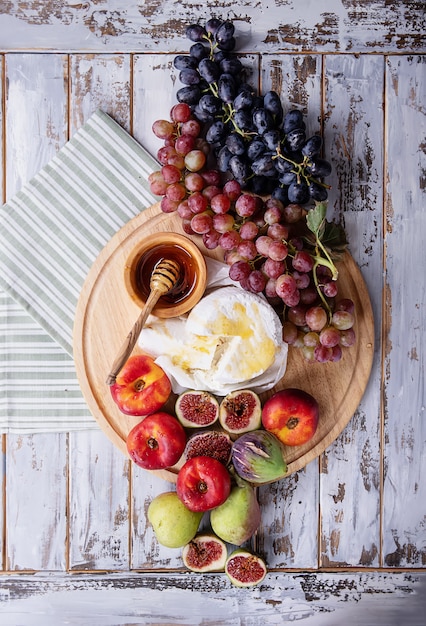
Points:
x=336, y=26
x=405, y=456
x=113, y=601
x=69, y=501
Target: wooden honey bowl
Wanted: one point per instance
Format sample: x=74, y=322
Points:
x=144, y=258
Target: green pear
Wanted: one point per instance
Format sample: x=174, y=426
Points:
x=237, y=519
x=174, y=525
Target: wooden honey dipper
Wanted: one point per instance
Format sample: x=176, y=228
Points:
x=164, y=277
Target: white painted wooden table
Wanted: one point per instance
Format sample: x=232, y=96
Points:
x=344, y=538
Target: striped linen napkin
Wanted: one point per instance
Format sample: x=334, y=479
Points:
x=52, y=230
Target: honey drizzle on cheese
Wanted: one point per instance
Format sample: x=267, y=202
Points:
x=256, y=351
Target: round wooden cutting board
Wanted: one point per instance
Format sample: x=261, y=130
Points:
x=106, y=313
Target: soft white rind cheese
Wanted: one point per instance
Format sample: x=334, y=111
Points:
x=230, y=339
x=235, y=314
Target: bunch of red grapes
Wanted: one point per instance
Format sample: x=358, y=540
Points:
x=265, y=237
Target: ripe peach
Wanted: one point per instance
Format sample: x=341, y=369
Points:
x=142, y=387
x=292, y=415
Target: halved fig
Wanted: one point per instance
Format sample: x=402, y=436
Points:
x=214, y=443
x=197, y=409
x=245, y=569
x=240, y=412
x=205, y=553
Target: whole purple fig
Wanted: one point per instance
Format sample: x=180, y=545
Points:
x=258, y=457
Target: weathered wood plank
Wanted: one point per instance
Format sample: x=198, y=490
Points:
x=404, y=509
x=333, y=26
x=104, y=521
x=288, y=536
x=99, y=473
x=36, y=492
x=35, y=116
x=298, y=81
x=100, y=81
x=308, y=598
x=99, y=504
x=146, y=552
x=155, y=84
x=350, y=470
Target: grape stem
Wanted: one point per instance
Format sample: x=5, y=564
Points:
x=299, y=169
x=315, y=220
x=317, y=286
x=319, y=259
x=327, y=260
x=213, y=88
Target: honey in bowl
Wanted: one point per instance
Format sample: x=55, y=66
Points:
x=190, y=284
x=149, y=261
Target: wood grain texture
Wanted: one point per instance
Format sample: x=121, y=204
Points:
x=35, y=116
x=72, y=502
x=154, y=93
x=98, y=504
x=36, y=465
x=404, y=522
x=146, y=553
x=100, y=82
x=36, y=491
x=288, y=535
x=354, y=140
x=311, y=599
x=335, y=26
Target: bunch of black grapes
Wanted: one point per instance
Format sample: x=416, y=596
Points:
x=251, y=137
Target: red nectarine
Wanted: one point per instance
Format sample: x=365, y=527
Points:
x=292, y=415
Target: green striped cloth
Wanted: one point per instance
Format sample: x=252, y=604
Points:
x=52, y=230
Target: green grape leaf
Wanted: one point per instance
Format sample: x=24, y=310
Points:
x=316, y=217
x=330, y=234
x=334, y=237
